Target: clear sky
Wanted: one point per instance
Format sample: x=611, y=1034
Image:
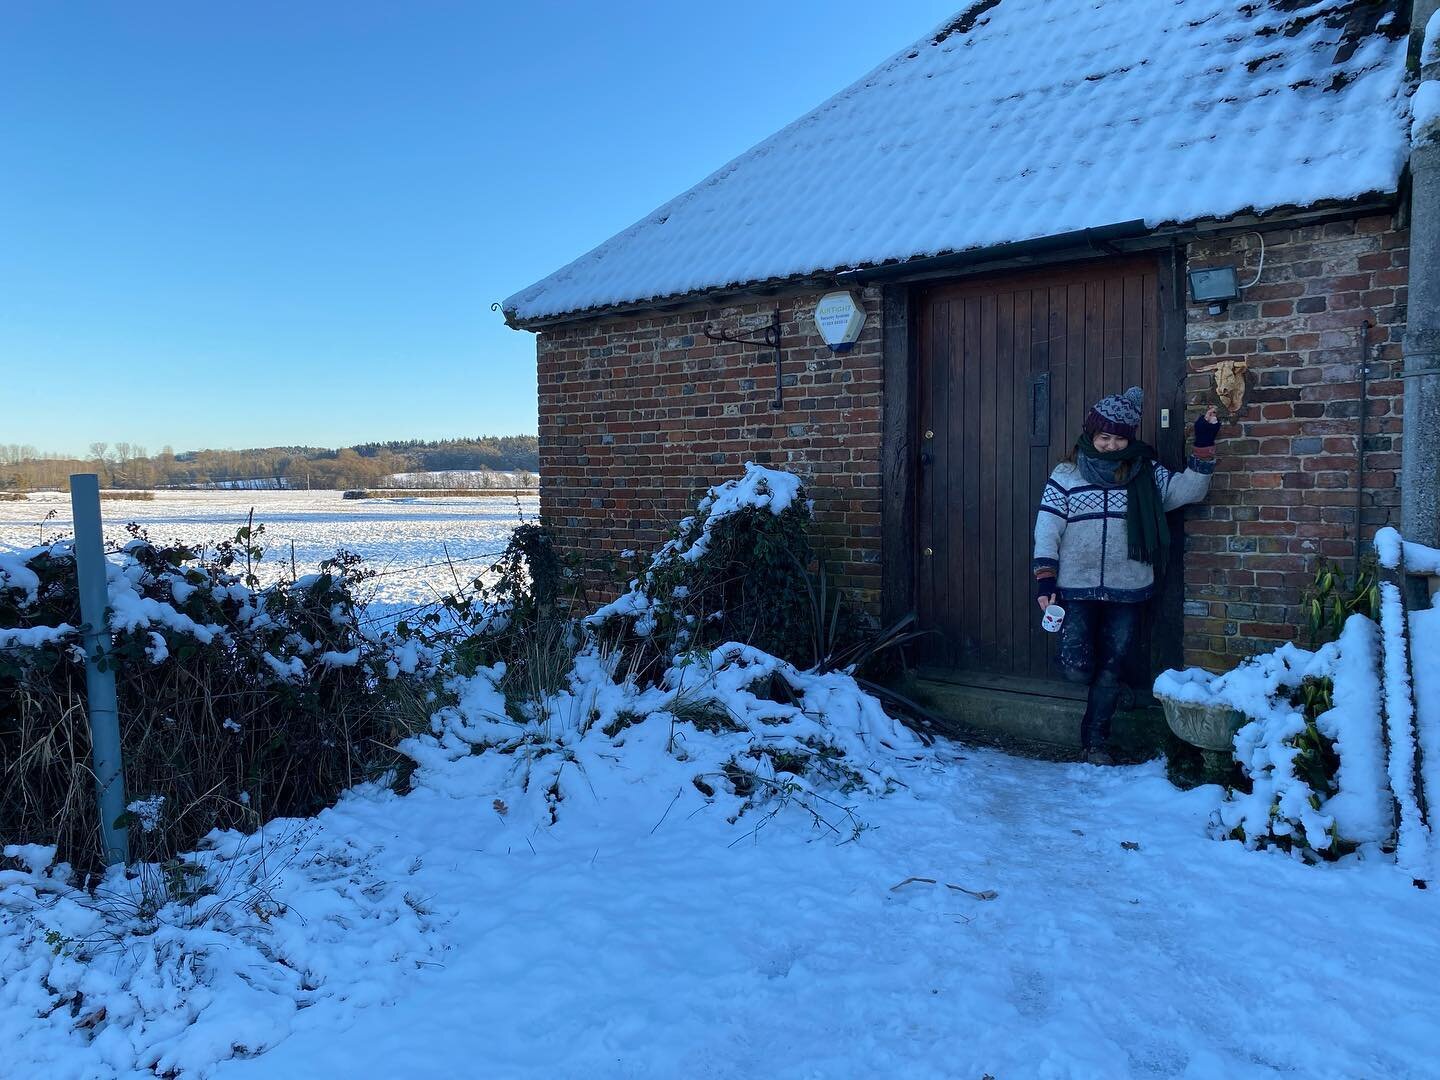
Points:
x=278, y=223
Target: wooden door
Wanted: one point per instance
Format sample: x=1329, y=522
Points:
x=1008, y=368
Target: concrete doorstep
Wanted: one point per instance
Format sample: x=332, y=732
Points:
x=1032, y=725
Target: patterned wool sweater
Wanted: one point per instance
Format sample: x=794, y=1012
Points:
x=1080, y=530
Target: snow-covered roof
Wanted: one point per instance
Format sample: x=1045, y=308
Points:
x=1023, y=119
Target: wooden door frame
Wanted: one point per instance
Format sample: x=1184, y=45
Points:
x=900, y=443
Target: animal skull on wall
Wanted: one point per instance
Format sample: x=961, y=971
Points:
x=1230, y=383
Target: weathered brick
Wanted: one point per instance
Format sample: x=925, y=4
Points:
x=602, y=438
x=1291, y=504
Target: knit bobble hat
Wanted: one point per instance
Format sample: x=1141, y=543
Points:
x=1118, y=414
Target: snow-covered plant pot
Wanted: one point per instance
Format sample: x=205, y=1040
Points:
x=1210, y=726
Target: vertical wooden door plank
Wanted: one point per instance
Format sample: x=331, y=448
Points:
x=987, y=592
x=1039, y=456
x=944, y=383
x=925, y=512
x=1007, y=538
x=970, y=522
x=1149, y=359
x=1020, y=463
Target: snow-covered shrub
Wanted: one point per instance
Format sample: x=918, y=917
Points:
x=651, y=676
x=1313, y=752
x=237, y=704
x=733, y=571
x=124, y=979
x=733, y=726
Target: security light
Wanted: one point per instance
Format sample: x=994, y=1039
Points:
x=1215, y=285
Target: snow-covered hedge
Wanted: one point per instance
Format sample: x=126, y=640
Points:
x=732, y=726
x=237, y=703
x=735, y=569
x=1314, y=749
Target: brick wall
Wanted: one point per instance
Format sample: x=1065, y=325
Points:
x=638, y=417
x=1283, y=495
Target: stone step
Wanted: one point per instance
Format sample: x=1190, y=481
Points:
x=1032, y=724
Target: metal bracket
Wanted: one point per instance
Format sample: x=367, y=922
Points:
x=771, y=340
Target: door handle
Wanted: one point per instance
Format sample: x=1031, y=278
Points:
x=1040, y=409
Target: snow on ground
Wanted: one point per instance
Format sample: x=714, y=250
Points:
x=626, y=941
x=392, y=534
x=611, y=951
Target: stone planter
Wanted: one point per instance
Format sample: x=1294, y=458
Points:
x=1210, y=727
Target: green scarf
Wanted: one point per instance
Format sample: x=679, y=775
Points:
x=1146, y=532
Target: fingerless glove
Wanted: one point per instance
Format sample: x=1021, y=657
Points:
x=1045, y=586
x=1205, y=432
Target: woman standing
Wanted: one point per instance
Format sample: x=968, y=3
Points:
x=1101, y=541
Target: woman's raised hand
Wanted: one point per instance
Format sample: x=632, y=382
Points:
x=1206, y=427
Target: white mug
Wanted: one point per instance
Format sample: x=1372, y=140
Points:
x=1054, y=616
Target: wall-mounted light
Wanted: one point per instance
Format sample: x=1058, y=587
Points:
x=1216, y=286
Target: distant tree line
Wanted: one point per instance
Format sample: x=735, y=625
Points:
x=127, y=465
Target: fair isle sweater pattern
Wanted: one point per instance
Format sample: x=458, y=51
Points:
x=1080, y=531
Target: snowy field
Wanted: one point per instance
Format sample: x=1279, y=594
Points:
x=401, y=539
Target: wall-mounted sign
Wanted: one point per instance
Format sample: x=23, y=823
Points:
x=839, y=317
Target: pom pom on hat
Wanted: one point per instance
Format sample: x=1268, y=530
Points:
x=1117, y=414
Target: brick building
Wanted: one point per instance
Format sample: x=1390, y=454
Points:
x=1019, y=220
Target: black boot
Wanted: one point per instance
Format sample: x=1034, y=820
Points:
x=1095, y=724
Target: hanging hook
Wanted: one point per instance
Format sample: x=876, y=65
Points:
x=771, y=340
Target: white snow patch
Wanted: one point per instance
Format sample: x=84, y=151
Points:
x=30, y=637
x=1412, y=848
x=14, y=574
x=147, y=812
x=1430, y=48
x=1418, y=558
x=1424, y=111
x=1425, y=666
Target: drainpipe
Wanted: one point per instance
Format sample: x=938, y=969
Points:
x=1419, y=476
x=1364, y=360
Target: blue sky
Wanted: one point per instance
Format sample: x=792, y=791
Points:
x=276, y=223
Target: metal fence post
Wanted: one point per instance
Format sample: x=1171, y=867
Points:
x=99, y=675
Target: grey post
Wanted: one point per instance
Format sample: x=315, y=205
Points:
x=99, y=675
x=1420, y=438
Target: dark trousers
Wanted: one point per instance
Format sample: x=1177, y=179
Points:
x=1096, y=642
